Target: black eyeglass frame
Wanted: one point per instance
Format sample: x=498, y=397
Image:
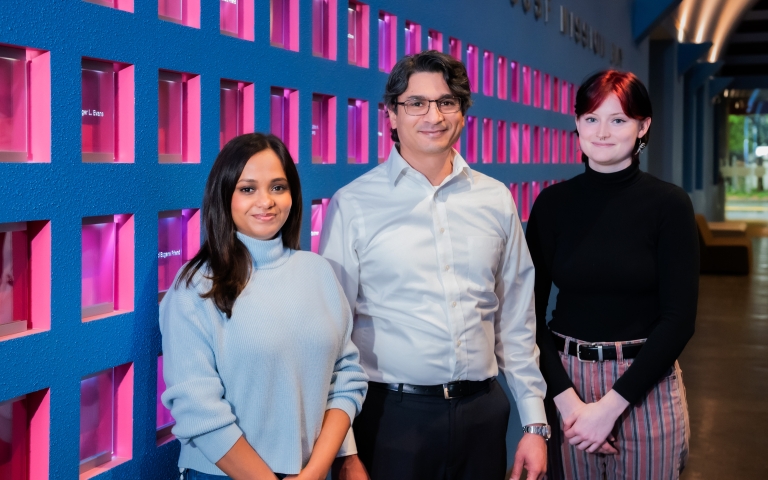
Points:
x=437, y=105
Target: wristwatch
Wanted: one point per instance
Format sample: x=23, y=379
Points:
x=543, y=430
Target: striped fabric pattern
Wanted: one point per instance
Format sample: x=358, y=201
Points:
x=651, y=436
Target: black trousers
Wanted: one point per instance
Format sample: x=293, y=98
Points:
x=414, y=437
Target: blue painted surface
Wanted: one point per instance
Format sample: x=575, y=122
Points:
x=66, y=190
x=690, y=53
x=646, y=14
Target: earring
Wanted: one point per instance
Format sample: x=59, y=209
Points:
x=640, y=148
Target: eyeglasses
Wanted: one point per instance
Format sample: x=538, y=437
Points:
x=419, y=107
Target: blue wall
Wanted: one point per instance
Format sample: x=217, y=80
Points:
x=66, y=190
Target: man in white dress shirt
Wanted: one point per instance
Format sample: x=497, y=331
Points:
x=432, y=258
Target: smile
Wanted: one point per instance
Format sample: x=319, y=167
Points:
x=264, y=217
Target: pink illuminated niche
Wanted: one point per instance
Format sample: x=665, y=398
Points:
x=526, y=144
x=323, y=129
x=454, y=48
x=387, y=41
x=576, y=147
x=514, y=143
x=384, y=134
x=563, y=147
x=525, y=202
x=357, y=34
x=284, y=118
x=555, y=146
x=488, y=68
x=25, y=105
x=555, y=94
x=412, y=38
x=324, y=29
x=184, y=12
x=236, y=18
x=106, y=413
x=471, y=139
x=284, y=24
x=545, y=145
x=536, y=189
x=178, y=240
x=107, y=242
x=514, y=76
x=473, y=67
x=236, y=115
x=357, y=131
x=564, y=98
x=536, y=144
x=501, y=141
x=99, y=90
x=124, y=5
x=164, y=421
x=178, y=117
x=526, y=85
x=14, y=279
x=434, y=40
x=501, y=73
x=547, y=93
x=319, y=209
x=24, y=432
x=574, y=91
x=25, y=275
x=536, y=88
x=487, y=140
x=514, y=190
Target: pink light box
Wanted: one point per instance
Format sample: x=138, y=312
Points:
x=357, y=135
x=284, y=24
x=14, y=278
x=324, y=29
x=319, y=209
x=284, y=115
x=164, y=421
x=24, y=432
x=184, y=12
x=98, y=112
x=387, y=41
x=236, y=100
x=178, y=240
x=357, y=34
x=384, y=135
x=323, y=129
x=236, y=18
x=178, y=117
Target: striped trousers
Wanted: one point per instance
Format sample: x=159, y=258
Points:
x=651, y=436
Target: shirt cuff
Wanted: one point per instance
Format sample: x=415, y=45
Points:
x=531, y=411
x=214, y=445
x=348, y=446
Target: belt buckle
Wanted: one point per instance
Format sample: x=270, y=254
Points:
x=589, y=345
x=445, y=392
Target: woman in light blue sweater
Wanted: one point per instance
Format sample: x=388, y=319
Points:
x=262, y=378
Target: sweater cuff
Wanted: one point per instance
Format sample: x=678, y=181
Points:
x=214, y=445
x=344, y=404
x=531, y=411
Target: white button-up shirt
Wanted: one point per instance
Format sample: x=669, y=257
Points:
x=439, y=278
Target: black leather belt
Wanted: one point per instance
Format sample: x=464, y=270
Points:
x=462, y=388
x=591, y=352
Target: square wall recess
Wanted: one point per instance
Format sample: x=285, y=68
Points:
x=164, y=422
x=236, y=18
x=284, y=118
x=25, y=104
x=323, y=129
x=178, y=117
x=324, y=27
x=183, y=12
x=25, y=424
x=383, y=134
x=319, y=209
x=236, y=110
x=25, y=278
x=412, y=38
x=178, y=240
x=387, y=41
x=284, y=24
x=107, y=266
x=357, y=131
x=106, y=420
x=107, y=112
x=434, y=40
x=358, y=33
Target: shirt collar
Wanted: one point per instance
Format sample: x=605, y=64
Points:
x=398, y=167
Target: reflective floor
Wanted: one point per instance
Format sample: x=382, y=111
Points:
x=725, y=368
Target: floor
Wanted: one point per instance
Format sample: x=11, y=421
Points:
x=725, y=368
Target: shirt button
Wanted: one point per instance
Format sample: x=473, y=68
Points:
x=447, y=267
x=442, y=230
x=458, y=343
x=453, y=304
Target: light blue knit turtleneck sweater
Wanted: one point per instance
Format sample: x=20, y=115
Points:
x=271, y=371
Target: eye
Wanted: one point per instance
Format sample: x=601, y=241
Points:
x=449, y=102
x=414, y=103
x=246, y=189
x=280, y=188
x=619, y=120
x=591, y=120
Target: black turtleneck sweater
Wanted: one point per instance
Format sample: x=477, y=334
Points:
x=623, y=251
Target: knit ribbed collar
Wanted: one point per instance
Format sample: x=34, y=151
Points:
x=612, y=181
x=266, y=254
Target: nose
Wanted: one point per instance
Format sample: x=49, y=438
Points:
x=264, y=199
x=603, y=132
x=433, y=114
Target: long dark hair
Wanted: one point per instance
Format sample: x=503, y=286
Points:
x=226, y=258
x=631, y=93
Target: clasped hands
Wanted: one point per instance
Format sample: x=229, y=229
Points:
x=587, y=426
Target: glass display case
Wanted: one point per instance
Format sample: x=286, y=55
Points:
x=412, y=38
x=357, y=34
x=170, y=117
x=471, y=139
x=324, y=29
x=14, y=439
x=383, y=134
x=97, y=419
x=14, y=104
x=98, y=266
x=357, y=142
x=99, y=92
x=434, y=40
x=473, y=69
x=14, y=278
x=487, y=140
x=323, y=129
x=164, y=420
x=319, y=209
x=387, y=41
x=231, y=108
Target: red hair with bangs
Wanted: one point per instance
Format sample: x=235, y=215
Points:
x=632, y=95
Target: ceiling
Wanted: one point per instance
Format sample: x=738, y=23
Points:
x=746, y=52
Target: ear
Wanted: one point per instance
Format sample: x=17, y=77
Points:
x=576, y=121
x=644, y=126
x=392, y=116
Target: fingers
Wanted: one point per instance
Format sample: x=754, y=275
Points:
x=517, y=468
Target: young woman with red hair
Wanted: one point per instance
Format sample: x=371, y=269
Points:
x=622, y=249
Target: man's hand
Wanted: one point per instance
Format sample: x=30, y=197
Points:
x=531, y=454
x=349, y=468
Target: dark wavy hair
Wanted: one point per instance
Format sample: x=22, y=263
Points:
x=630, y=91
x=224, y=258
x=454, y=72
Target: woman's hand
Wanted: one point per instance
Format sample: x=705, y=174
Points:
x=334, y=429
x=588, y=427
